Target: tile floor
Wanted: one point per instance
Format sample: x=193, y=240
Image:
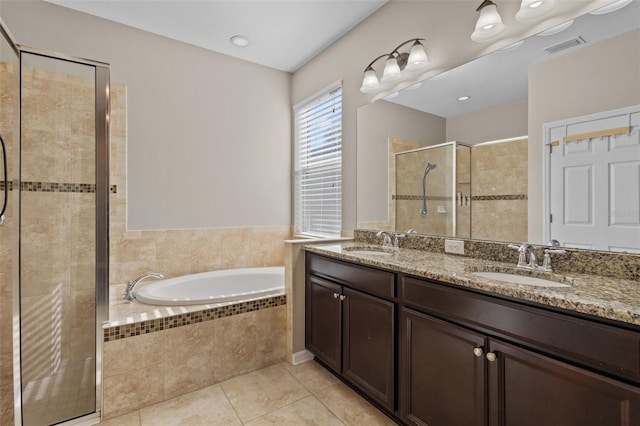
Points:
x=279, y=395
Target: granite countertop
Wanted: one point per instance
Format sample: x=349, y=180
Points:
x=611, y=298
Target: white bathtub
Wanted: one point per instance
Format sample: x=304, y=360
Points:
x=214, y=287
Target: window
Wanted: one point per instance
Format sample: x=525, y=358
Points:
x=318, y=164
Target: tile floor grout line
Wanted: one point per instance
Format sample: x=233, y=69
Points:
x=229, y=401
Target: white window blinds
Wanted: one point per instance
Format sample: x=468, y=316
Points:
x=318, y=164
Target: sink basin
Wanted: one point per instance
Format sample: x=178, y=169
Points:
x=369, y=251
x=520, y=279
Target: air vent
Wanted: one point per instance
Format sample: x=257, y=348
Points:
x=564, y=45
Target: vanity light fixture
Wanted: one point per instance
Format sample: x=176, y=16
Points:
x=489, y=24
x=533, y=9
x=398, y=68
x=616, y=5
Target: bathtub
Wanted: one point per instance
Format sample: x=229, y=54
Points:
x=214, y=287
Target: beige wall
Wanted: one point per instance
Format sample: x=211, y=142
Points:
x=503, y=121
x=209, y=135
x=589, y=80
x=446, y=25
x=176, y=252
x=377, y=123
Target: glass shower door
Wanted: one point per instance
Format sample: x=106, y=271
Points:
x=57, y=240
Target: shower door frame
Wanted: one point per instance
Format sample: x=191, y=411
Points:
x=102, y=137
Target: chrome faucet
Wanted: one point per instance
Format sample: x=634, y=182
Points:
x=387, y=238
x=528, y=259
x=129, y=296
x=396, y=240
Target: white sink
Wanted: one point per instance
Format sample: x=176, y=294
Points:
x=520, y=279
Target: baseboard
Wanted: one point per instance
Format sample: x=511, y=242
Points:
x=302, y=356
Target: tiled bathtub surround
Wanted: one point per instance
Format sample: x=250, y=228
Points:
x=606, y=264
x=151, y=367
x=156, y=321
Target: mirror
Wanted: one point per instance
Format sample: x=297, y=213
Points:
x=544, y=80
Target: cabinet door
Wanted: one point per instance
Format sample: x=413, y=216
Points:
x=323, y=330
x=369, y=345
x=442, y=378
x=528, y=389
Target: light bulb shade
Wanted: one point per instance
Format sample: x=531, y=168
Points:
x=611, y=7
x=534, y=9
x=391, y=71
x=557, y=29
x=370, y=82
x=417, y=57
x=489, y=24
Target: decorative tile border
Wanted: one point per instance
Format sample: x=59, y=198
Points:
x=419, y=198
x=473, y=197
x=83, y=188
x=145, y=327
x=499, y=197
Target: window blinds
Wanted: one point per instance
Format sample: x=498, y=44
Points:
x=318, y=164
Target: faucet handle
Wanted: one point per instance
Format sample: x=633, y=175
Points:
x=546, y=261
x=522, y=256
x=411, y=231
x=397, y=238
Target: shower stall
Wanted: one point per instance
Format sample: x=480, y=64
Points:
x=54, y=120
x=433, y=190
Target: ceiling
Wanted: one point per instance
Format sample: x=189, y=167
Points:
x=502, y=76
x=283, y=34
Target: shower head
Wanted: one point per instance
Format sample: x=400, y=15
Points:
x=429, y=167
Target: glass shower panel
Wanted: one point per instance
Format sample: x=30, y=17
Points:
x=9, y=133
x=58, y=240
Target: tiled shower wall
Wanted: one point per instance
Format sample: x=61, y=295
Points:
x=499, y=188
x=409, y=172
x=8, y=116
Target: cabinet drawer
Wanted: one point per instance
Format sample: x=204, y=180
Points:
x=373, y=281
x=599, y=346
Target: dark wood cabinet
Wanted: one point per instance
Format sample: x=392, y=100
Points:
x=368, y=350
x=350, y=331
x=530, y=389
x=466, y=357
x=323, y=326
x=442, y=372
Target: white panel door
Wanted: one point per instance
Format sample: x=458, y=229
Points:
x=593, y=188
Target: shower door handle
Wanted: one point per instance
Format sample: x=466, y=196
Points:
x=6, y=183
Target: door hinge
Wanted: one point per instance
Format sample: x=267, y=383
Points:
x=550, y=218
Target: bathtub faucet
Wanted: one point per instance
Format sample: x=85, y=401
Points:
x=129, y=296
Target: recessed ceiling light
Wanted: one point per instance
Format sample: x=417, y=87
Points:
x=464, y=98
x=239, y=41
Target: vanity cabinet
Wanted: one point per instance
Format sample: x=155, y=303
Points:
x=456, y=368
x=350, y=327
x=466, y=357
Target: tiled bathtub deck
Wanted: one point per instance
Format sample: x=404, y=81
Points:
x=134, y=319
